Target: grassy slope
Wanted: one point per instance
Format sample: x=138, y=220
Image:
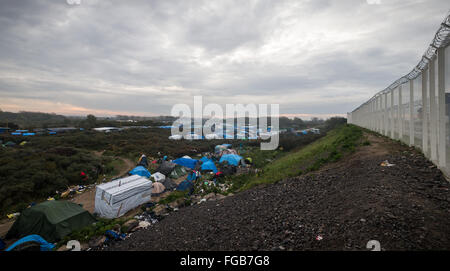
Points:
x=327, y=149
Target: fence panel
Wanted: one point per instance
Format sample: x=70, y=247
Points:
x=416, y=108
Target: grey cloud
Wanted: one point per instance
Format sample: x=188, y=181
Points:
x=144, y=56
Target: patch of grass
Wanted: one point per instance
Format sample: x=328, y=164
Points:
x=330, y=148
x=173, y=197
x=97, y=229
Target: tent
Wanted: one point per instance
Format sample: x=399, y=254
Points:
x=115, y=198
x=157, y=188
x=178, y=172
x=219, y=148
x=169, y=184
x=205, y=159
x=166, y=167
x=186, y=162
x=186, y=186
x=52, y=220
x=232, y=159
x=228, y=151
x=31, y=242
x=141, y=171
x=186, y=156
x=158, y=177
x=209, y=165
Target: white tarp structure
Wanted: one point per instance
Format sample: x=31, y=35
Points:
x=158, y=177
x=115, y=198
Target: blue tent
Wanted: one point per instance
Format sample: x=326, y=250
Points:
x=205, y=159
x=185, y=186
x=45, y=246
x=209, y=165
x=192, y=176
x=232, y=159
x=141, y=171
x=186, y=162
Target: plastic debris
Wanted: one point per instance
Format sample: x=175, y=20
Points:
x=386, y=163
x=319, y=237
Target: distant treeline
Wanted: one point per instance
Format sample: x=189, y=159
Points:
x=31, y=120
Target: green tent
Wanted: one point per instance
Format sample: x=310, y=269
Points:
x=52, y=220
x=178, y=172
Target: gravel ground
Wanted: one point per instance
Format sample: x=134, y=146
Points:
x=346, y=204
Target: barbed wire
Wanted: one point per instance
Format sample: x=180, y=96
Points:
x=441, y=39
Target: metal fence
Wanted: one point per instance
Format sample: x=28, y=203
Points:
x=416, y=108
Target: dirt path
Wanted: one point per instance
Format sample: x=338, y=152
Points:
x=87, y=198
x=341, y=207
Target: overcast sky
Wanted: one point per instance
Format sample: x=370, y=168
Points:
x=314, y=57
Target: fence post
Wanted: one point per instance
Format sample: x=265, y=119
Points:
x=433, y=115
x=392, y=114
x=400, y=116
x=424, y=112
x=386, y=117
x=441, y=108
x=411, y=113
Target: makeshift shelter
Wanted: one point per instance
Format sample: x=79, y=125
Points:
x=186, y=186
x=141, y=171
x=158, y=177
x=10, y=144
x=143, y=161
x=169, y=184
x=31, y=242
x=186, y=162
x=115, y=198
x=209, y=166
x=232, y=159
x=52, y=220
x=228, y=151
x=166, y=167
x=157, y=188
x=178, y=172
x=219, y=148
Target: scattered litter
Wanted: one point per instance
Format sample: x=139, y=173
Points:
x=386, y=163
x=319, y=237
x=12, y=215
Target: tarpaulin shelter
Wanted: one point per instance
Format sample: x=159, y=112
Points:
x=115, y=198
x=219, y=148
x=158, y=177
x=141, y=171
x=204, y=159
x=166, y=167
x=157, y=188
x=52, y=220
x=31, y=240
x=178, y=172
x=186, y=186
x=186, y=162
x=169, y=184
x=232, y=159
x=209, y=165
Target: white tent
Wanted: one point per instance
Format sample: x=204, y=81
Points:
x=115, y=198
x=158, y=177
